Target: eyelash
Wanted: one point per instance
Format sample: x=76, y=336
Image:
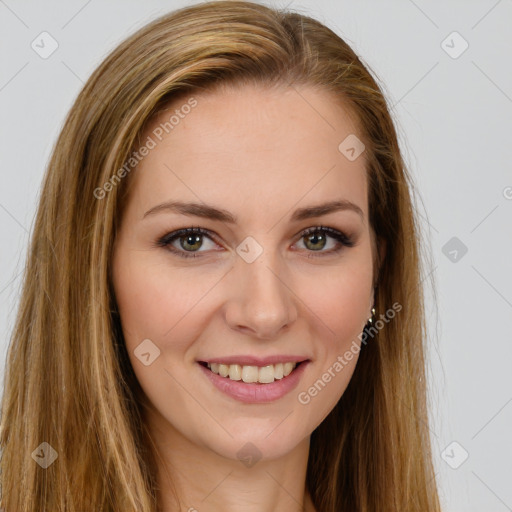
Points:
x=166, y=241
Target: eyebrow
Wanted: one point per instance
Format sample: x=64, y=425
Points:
x=210, y=212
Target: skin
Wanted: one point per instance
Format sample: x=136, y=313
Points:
x=259, y=154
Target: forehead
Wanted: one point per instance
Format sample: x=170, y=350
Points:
x=253, y=148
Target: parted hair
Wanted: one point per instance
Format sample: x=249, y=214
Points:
x=68, y=379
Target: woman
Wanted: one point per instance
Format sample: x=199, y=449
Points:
x=222, y=306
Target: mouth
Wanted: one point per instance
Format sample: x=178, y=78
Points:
x=256, y=381
x=252, y=374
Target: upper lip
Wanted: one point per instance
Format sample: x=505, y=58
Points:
x=245, y=360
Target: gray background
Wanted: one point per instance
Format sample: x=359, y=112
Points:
x=453, y=112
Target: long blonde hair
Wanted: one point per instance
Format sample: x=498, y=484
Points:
x=68, y=379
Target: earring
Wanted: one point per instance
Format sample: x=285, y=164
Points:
x=367, y=329
x=370, y=320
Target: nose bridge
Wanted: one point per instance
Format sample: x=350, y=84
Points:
x=262, y=303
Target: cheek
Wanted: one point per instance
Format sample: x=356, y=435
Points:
x=338, y=307
x=164, y=306
x=158, y=303
x=339, y=301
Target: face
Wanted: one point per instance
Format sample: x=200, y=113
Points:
x=260, y=279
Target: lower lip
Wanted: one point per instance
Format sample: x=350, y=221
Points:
x=256, y=393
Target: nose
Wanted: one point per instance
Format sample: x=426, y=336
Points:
x=261, y=302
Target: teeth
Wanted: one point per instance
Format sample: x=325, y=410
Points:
x=266, y=374
x=249, y=374
x=278, y=371
x=287, y=368
x=235, y=372
x=223, y=370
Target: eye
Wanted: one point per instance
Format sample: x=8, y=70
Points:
x=190, y=240
x=316, y=239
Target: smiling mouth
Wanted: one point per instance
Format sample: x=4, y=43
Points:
x=253, y=374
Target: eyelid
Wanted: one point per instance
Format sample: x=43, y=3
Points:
x=336, y=234
x=167, y=239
